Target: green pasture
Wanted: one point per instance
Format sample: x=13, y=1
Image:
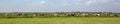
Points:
x=51, y=19
x=63, y=20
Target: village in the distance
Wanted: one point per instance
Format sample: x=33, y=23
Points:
x=112, y=14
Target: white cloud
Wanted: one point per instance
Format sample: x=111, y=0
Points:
x=63, y=5
x=96, y=5
x=94, y=2
x=28, y=0
x=90, y=3
x=42, y=2
x=79, y=0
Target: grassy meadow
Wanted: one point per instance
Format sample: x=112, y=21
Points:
x=61, y=20
x=51, y=19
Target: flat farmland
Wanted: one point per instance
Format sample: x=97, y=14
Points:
x=68, y=20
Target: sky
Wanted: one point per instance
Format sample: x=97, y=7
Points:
x=59, y=5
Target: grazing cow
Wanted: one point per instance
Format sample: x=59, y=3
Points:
x=113, y=15
x=96, y=14
x=84, y=14
x=77, y=14
x=38, y=14
x=59, y=14
x=70, y=14
x=21, y=14
x=34, y=15
x=56, y=14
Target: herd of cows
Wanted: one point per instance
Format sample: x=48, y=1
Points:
x=60, y=14
x=84, y=14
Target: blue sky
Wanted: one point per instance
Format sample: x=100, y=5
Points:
x=59, y=5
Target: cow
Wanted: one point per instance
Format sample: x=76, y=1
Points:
x=70, y=14
x=37, y=14
x=34, y=15
x=21, y=14
x=97, y=14
x=111, y=14
x=56, y=14
x=77, y=14
x=84, y=14
x=114, y=15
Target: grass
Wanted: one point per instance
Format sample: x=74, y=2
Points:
x=59, y=20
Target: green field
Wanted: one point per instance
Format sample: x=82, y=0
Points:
x=68, y=20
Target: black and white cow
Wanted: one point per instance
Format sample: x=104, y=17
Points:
x=22, y=14
x=70, y=14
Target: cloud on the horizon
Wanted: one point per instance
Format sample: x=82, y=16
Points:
x=59, y=5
